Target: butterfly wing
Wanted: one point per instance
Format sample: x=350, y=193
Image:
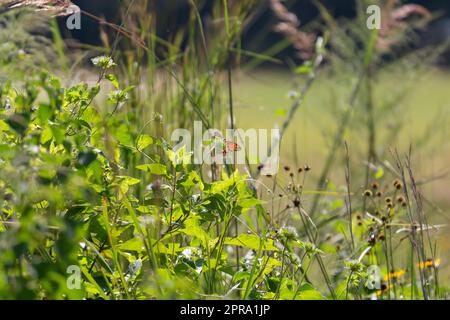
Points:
x=230, y=147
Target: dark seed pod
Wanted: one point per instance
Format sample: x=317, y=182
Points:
x=367, y=193
x=296, y=203
x=286, y=168
x=307, y=168
x=397, y=184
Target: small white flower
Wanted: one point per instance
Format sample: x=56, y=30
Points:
x=187, y=253
x=292, y=94
x=103, y=62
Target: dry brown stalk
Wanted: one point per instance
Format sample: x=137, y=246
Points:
x=54, y=7
x=289, y=23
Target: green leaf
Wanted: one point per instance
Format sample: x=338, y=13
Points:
x=251, y=241
x=113, y=79
x=134, y=244
x=46, y=135
x=193, y=228
x=153, y=168
x=282, y=112
x=58, y=135
x=380, y=173
x=3, y=126
x=130, y=180
x=44, y=112
x=144, y=141
x=249, y=203
x=306, y=68
x=307, y=292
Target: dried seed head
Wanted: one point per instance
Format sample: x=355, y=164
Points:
x=397, y=184
x=379, y=194
x=368, y=193
x=289, y=187
x=296, y=203
x=291, y=175
x=286, y=168
x=372, y=239
x=375, y=185
x=300, y=170
x=307, y=168
x=388, y=200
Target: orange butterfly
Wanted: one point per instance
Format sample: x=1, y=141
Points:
x=230, y=147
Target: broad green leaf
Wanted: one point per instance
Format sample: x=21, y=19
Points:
x=144, y=141
x=113, y=79
x=251, y=241
x=134, y=244
x=153, y=168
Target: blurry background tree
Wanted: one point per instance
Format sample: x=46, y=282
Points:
x=173, y=15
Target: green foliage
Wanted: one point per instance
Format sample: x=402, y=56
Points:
x=88, y=182
x=71, y=196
